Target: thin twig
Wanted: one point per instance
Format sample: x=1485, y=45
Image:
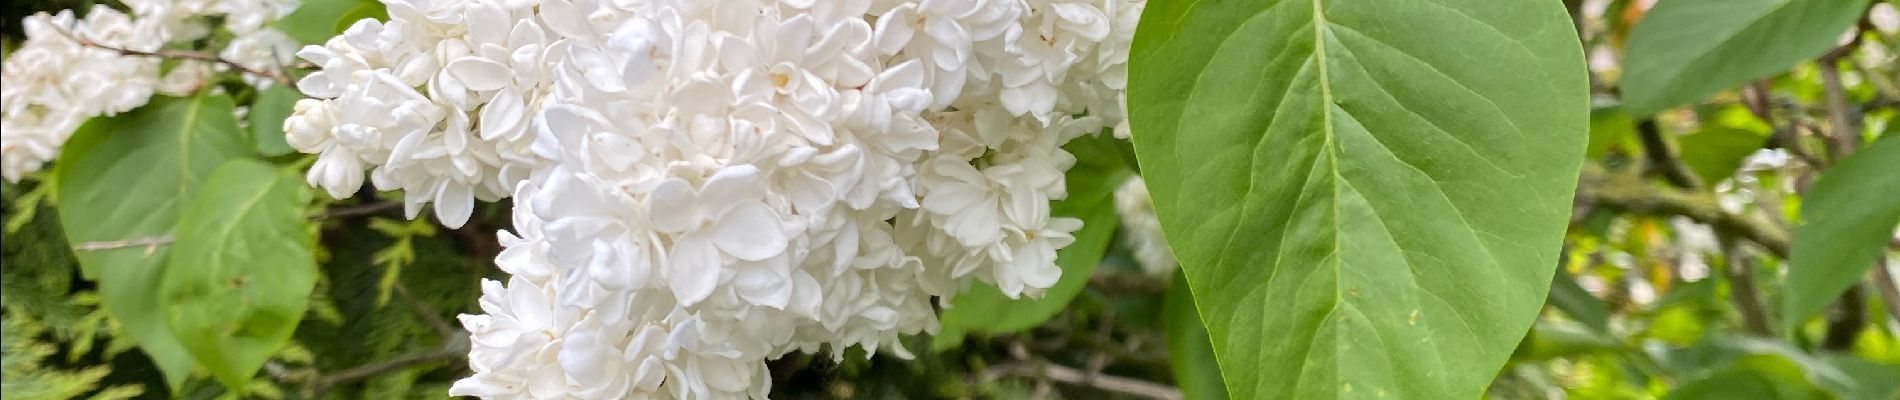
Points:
x=451, y=350
x=359, y=210
x=1741, y=280
x=1129, y=283
x=1074, y=376
x=1662, y=158
x=1629, y=193
x=148, y=242
x=1843, y=133
x=181, y=55
x=1845, y=325
x=1883, y=280
x=428, y=314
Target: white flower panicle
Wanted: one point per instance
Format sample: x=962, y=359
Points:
x=54, y=81
x=700, y=186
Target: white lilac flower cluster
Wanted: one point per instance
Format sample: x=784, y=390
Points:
x=69, y=69
x=700, y=186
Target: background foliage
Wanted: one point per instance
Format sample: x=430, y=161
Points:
x=1731, y=234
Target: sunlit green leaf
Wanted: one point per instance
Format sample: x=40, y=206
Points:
x=1715, y=153
x=1363, y=204
x=1609, y=128
x=1685, y=50
x=240, y=270
x=123, y=180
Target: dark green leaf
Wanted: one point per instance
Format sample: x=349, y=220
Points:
x=267, y=119
x=1715, y=153
x=1795, y=372
x=124, y=179
x=1871, y=380
x=1848, y=216
x=1367, y=197
x=1746, y=384
x=1189, y=350
x=240, y=270
x=1579, y=304
x=1556, y=338
x=1685, y=50
x=1091, y=187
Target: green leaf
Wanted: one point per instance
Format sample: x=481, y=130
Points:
x=241, y=269
x=1367, y=197
x=1715, y=153
x=1871, y=380
x=124, y=178
x=363, y=10
x=267, y=119
x=1773, y=359
x=1550, y=339
x=1091, y=187
x=1579, y=304
x=1685, y=50
x=1609, y=128
x=1848, y=216
x=1189, y=350
x=317, y=21
x=1746, y=384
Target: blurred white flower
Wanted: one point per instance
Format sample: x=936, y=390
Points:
x=55, y=81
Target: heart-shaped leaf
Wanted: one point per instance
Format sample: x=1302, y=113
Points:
x=240, y=270
x=1367, y=197
x=122, y=181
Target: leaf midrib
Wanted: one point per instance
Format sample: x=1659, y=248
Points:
x=1331, y=147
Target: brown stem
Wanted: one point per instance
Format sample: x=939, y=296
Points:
x=1662, y=159
x=1845, y=325
x=1064, y=374
x=1134, y=284
x=1843, y=132
x=1742, y=290
x=1889, y=293
x=181, y=55
x=449, y=351
x=359, y=210
x=1630, y=193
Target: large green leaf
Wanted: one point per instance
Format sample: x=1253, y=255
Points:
x=1189, y=350
x=1091, y=187
x=1367, y=196
x=1848, y=216
x=1685, y=50
x=123, y=179
x=241, y=269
